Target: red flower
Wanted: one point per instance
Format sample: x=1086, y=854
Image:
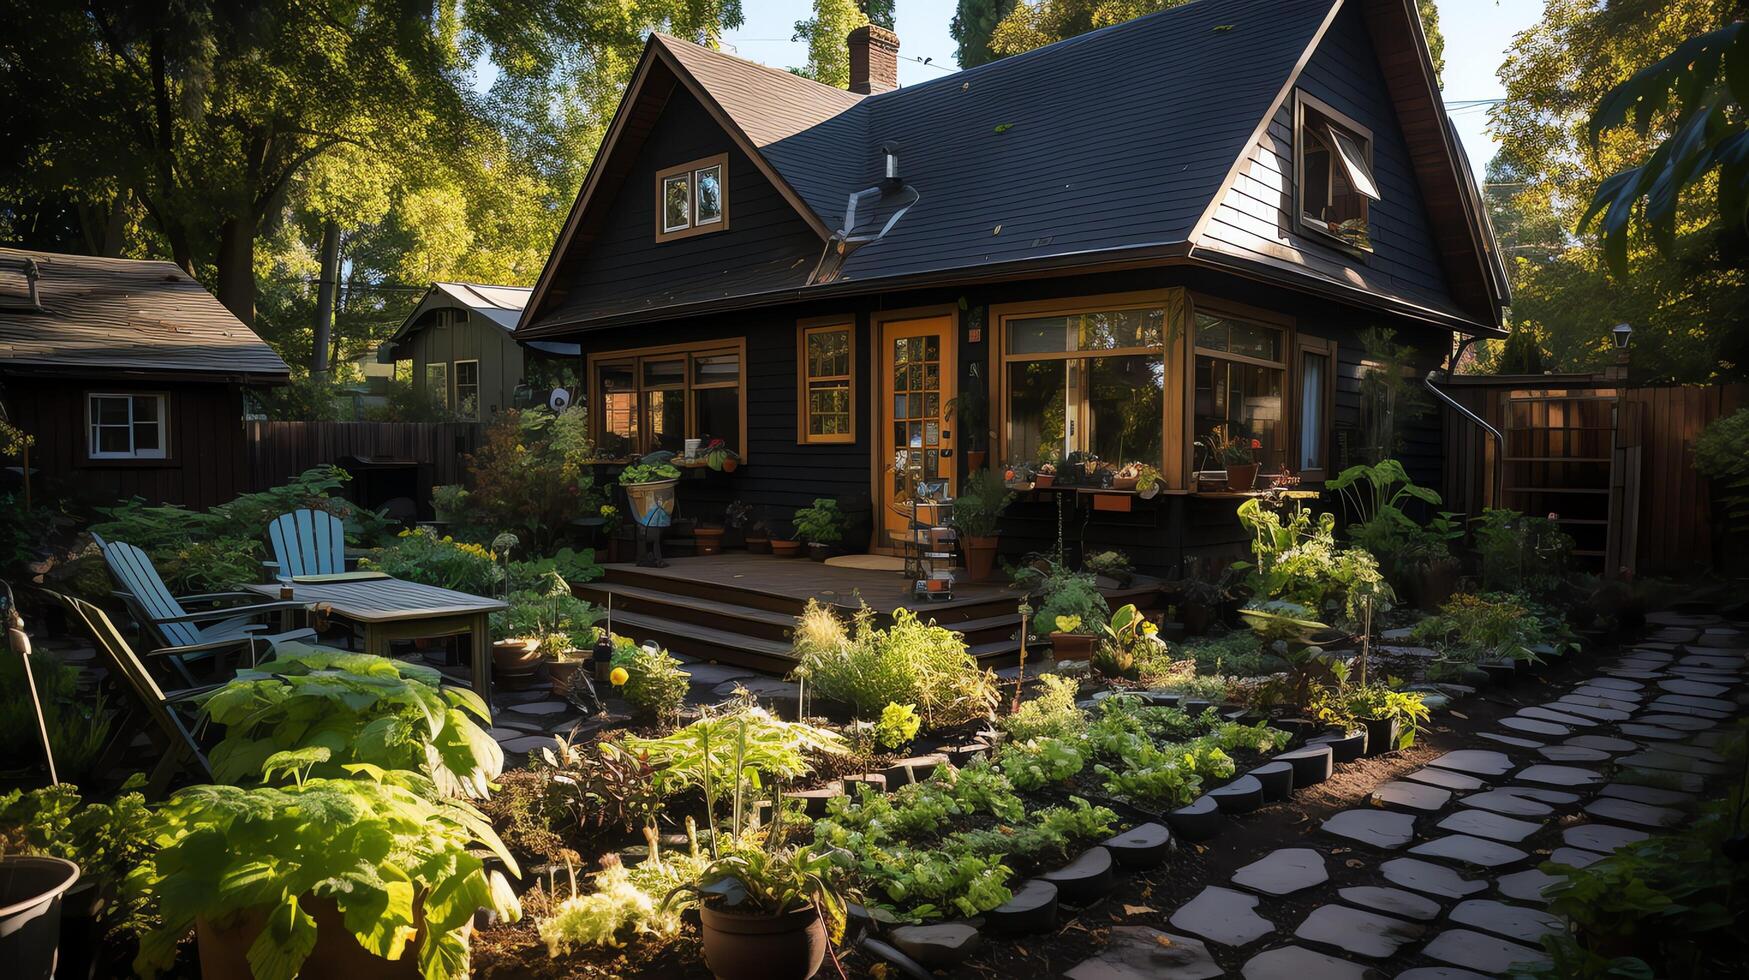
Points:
x=1256, y=444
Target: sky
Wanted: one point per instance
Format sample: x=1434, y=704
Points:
x=1477, y=33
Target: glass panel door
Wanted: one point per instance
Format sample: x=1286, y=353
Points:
x=917, y=375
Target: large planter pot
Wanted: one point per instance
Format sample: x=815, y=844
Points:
x=1072, y=646
x=224, y=947
x=708, y=540
x=818, y=551
x=785, y=549
x=763, y=947
x=759, y=544
x=1241, y=476
x=31, y=889
x=980, y=557
x=652, y=503
x=1381, y=735
x=514, y=662
x=560, y=672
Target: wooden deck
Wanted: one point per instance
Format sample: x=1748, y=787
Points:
x=793, y=581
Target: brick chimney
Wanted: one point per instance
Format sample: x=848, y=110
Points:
x=874, y=60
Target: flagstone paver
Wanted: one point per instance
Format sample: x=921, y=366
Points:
x=1362, y=933
x=1470, y=850
x=1512, y=801
x=1142, y=953
x=1558, y=717
x=1528, y=885
x=1493, y=826
x=1475, y=762
x=1378, y=828
x=1223, y=915
x=1559, y=775
x=1441, y=973
x=1391, y=901
x=1516, y=741
x=1603, y=743
x=1574, y=857
x=1596, y=712
x=1656, y=733
x=1455, y=781
x=1602, y=838
x=1480, y=951
x=1694, y=688
x=1299, y=963
x=1572, y=753
x=1283, y=872
x=1429, y=878
x=1533, y=726
x=1636, y=814
x=1515, y=922
x=1418, y=797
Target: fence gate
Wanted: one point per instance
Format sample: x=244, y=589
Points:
x=1567, y=456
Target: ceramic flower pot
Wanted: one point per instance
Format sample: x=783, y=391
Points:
x=514, y=662
x=758, y=544
x=224, y=947
x=785, y=549
x=980, y=557
x=1241, y=476
x=791, y=946
x=560, y=672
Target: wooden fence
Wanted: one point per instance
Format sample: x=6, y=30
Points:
x=279, y=451
x=1660, y=517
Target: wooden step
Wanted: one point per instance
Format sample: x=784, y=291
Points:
x=727, y=616
x=705, y=642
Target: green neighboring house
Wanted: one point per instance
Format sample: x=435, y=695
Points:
x=464, y=358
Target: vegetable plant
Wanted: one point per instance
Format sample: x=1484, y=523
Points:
x=784, y=879
x=898, y=725
x=1298, y=561
x=910, y=662
x=654, y=684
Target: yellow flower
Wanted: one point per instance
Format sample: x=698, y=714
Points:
x=619, y=677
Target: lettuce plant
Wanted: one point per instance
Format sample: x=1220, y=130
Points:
x=361, y=708
x=386, y=848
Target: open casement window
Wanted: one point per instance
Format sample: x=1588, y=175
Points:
x=1335, y=182
x=1240, y=387
x=658, y=397
x=126, y=426
x=825, y=382
x=692, y=198
x=1315, y=367
x=467, y=389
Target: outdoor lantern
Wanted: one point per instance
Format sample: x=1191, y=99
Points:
x=1621, y=332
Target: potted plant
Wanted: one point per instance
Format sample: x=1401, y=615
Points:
x=787, y=545
x=736, y=517
x=1390, y=718
x=1045, y=475
x=758, y=538
x=970, y=408
x=31, y=890
x=1236, y=454
x=977, y=516
x=718, y=456
x=821, y=526
x=1072, y=639
x=770, y=914
x=707, y=539
x=516, y=631
x=447, y=502
x=377, y=875
x=649, y=486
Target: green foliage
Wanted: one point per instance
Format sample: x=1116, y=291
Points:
x=783, y=880
x=648, y=473
x=1298, y=562
x=977, y=511
x=1051, y=714
x=823, y=523
x=1063, y=592
x=1520, y=553
x=79, y=725
x=745, y=745
x=1377, y=494
x=420, y=555
x=574, y=566
x=824, y=32
x=1472, y=628
x=358, y=708
x=909, y=662
x=106, y=840
x=604, y=784
x=380, y=845
x=1722, y=453
x=626, y=902
x=898, y=725
x=1347, y=705
x=974, y=21
x=531, y=475
x=1037, y=763
x=655, y=685
x=1239, y=653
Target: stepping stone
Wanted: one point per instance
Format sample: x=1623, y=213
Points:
x=1515, y=741
x=1084, y=880
x=1479, y=951
x=913, y=770
x=1693, y=752
x=1362, y=933
x=1671, y=762
x=526, y=743
x=1545, y=713
x=1312, y=764
x=1242, y=795
x=1603, y=743
x=1528, y=886
x=1493, y=826
x=942, y=944
x=1457, y=782
x=1691, y=701
x=1559, y=775
x=1572, y=753
x=500, y=734
x=1142, y=846
x=1596, y=712
x=1636, y=675
x=1518, y=723
x=541, y=708
x=1224, y=916
x=1616, y=684
x=1511, y=800
x=1607, y=694
x=1475, y=762
x=1653, y=732
x=1392, y=901
x=1681, y=723
x=1636, y=814
x=1377, y=828
x=1429, y=878
x=1511, y=921
x=1141, y=953
x=1441, y=973
x=1694, y=688
x=1573, y=857
x=1343, y=748
x=1277, y=779
x=1299, y=963
x=1283, y=872
x=1687, y=782
x=1465, y=849
x=1602, y=838
x=1418, y=797
x=1198, y=820
x=1033, y=909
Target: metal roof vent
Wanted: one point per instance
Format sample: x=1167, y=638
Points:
x=892, y=196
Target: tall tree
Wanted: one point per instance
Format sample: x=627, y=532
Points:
x=974, y=22
x=1429, y=10
x=825, y=32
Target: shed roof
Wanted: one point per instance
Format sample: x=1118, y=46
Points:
x=106, y=316
x=501, y=305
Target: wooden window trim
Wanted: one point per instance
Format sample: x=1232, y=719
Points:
x=1302, y=102
x=1325, y=348
x=691, y=170
x=804, y=330
x=167, y=452
x=592, y=364
x=1201, y=305
x=455, y=376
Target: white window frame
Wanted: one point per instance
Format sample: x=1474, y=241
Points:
x=455, y=372
x=91, y=426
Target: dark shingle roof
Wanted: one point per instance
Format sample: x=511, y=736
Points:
x=107, y=315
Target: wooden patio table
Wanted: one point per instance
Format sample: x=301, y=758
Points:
x=389, y=609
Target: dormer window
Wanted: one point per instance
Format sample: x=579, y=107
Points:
x=692, y=198
x=1335, y=179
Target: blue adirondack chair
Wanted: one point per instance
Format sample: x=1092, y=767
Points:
x=308, y=542
x=232, y=620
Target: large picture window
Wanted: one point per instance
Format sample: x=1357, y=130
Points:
x=692, y=198
x=1086, y=382
x=826, y=383
x=1240, y=389
x=657, y=398
x=126, y=426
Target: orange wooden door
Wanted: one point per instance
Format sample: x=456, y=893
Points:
x=915, y=374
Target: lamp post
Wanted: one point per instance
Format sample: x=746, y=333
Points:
x=1621, y=333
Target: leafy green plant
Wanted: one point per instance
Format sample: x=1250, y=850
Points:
x=743, y=743
x=651, y=472
x=977, y=511
x=1721, y=452
x=1521, y=553
x=780, y=880
x=573, y=565
x=79, y=724
x=421, y=555
x=1472, y=628
x=361, y=709
x=1050, y=714
x=654, y=686
x=1064, y=593
x=1298, y=561
x=531, y=475
x=1347, y=705
x=898, y=725
x=384, y=846
x=910, y=662
x=1113, y=565
x=550, y=613
x=823, y=523
x=625, y=902
x=1377, y=495
x=107, y=840
x=1037, y=763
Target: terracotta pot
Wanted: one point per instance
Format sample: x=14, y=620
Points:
x=1125, y=482
x=708, y=540
x=758, y=545
x=224, y=948
x=818, y=551
x=560, y=672
x=791, y=946
x=1043, y=480
x=729, y=464
x=1241, y=476
x=980, y=557
x=785, y=549
x=1072, y=646
x=975, y=459
x=515, y=661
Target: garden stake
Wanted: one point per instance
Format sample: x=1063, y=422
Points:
x=19, y=641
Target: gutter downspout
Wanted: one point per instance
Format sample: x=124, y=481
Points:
x=1496, y=478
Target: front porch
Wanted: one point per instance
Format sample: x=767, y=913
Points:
x=739, y=608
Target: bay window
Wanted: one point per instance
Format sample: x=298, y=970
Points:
x=1092, y=382
x=1240, y=389
x=657, y=398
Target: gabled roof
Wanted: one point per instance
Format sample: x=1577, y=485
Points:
x=104, y=316
x=501, y=305
x=1108, y=147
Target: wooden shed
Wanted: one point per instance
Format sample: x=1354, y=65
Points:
x=465, y=361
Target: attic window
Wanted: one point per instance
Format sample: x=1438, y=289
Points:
x=1335, y=179
x=692, y=198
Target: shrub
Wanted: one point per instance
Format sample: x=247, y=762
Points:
x=1722, y=453
x=420, y=555
x=823, y=523
x=106, y=840
x=1065, y=593
x=977, y=511
x=1240, y=653
x=531, y=475
x=78, y=725
x=1377, y=495
x=1298, y=561
x=1520, y=553
x=654, y=684
x=910, y=662
x=898, y=725
x=1474, y=628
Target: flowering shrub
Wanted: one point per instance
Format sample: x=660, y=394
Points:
x=419, y=555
